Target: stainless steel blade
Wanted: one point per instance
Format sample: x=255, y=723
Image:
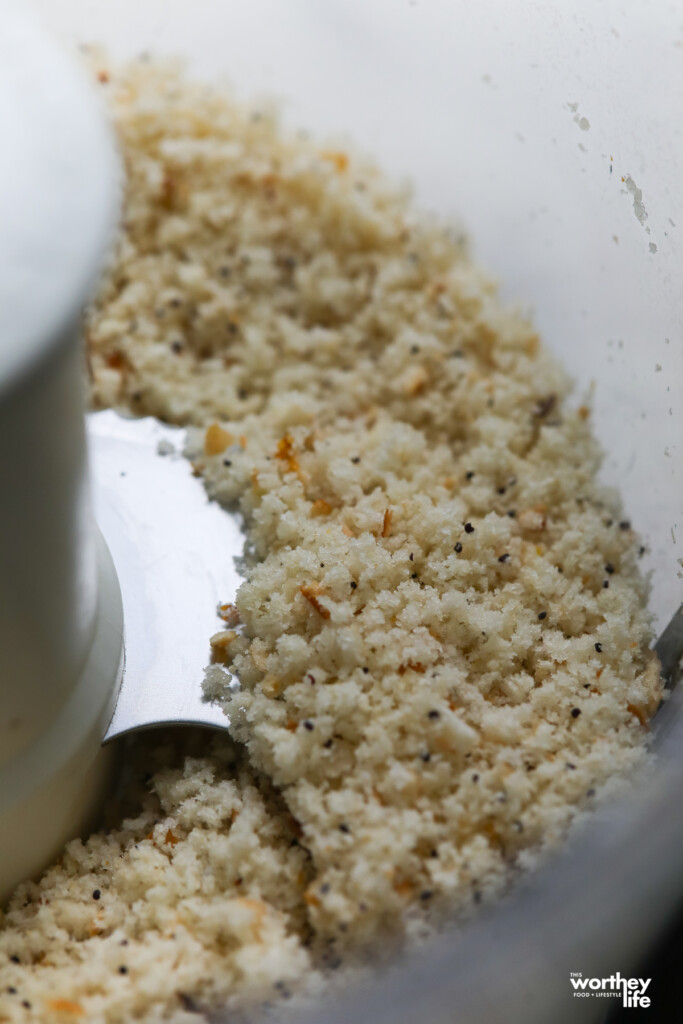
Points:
x=174, y=553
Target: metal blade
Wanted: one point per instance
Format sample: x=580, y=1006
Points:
x=174, y=554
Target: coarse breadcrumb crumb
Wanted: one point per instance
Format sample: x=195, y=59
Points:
x=441, y=641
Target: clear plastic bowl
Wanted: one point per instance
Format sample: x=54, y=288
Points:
x=553, y=134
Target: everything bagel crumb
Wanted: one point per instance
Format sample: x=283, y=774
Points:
x=441, y=640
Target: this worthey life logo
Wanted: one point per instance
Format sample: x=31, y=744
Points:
x=632, y=990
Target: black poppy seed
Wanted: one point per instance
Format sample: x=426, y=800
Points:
x=353, y=584
x=426, y=895
x=410, y=556
x=227, y=462
x=123, y=942
x=609, y=568
x=355, y=460
x=590, y=792
x=15, y=959
x=475, y=777
x=327, y=744
x=25, y=1003
x=598, y=647
x=308, y=725
x=123, y=969
x=457, y=354
x=242, y=394
x=572, y=767
x=426, y=756
x=641, y=551
x=469, y=528
x=433, y=715
x=609, y=522
x=576, y=712
x=96, y=894
x=322, y=565
x=477, y=897
x=458, y=548
x=586, y=686
x=414, y=349
x=605, y=584
x=325, y=888
x=366, y=669
x=434, y=853
x=504, y=558
x=469, y=474
x=177, y=346
x=413, y=575
x=311, y=678
x=11, y=990
x=502, y=490
x=542, y=616
x=344, y=828
x=512, y=513
x=624, y=525
x=518, y=827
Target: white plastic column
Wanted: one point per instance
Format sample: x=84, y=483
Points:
x=60, y=609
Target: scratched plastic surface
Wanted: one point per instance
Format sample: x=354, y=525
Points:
x=520, y=120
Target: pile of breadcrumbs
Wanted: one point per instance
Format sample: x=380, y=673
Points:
x=441, y=639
